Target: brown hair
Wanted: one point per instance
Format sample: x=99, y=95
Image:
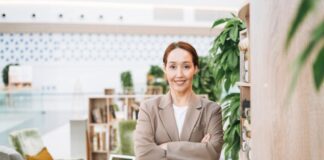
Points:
x=183, y=45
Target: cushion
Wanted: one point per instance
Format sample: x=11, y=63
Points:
x=42, y=155
x=27, y=141
x=7, y=153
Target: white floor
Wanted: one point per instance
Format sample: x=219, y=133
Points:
x=11, y=119
x=58, y=142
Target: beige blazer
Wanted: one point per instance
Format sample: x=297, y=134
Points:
x=156, y=125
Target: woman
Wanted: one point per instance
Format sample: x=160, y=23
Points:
x=179, y=125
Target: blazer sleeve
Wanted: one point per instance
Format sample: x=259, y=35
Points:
x=200, y=151
x=145, y=146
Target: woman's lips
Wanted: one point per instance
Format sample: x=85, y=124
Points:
x=180, y=82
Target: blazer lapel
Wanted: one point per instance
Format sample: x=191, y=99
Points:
x=192, y=115
x=166, y=115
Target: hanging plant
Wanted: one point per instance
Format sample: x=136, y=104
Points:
x=204, y=81
x=224, y=59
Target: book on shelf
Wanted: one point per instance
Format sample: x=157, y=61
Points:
x=112, y=111
x=104, y=114
x=98, y=141
x=103, y=140
x=95, y=143
x=113, y=138
x=97, y=115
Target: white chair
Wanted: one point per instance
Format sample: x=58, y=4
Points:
x=111, y=156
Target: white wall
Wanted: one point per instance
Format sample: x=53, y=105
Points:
x=87, y=62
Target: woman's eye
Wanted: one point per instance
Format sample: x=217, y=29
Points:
x=172, y=67
x=187, y=67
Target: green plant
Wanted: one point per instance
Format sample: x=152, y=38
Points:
x=127, y=80
x=125, y=141
x=204, y=81
x=155, y=77
x=231, y=114
x=316, y=39
x=224, y=59
x=5, y=73
x=156, y=71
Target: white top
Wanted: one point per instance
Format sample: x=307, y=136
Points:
x=180, y=114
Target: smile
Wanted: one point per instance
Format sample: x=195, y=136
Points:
x=180, y=82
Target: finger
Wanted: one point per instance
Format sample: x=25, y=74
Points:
x=204, y=139
x=207, y=137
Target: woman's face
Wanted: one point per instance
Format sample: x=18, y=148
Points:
x=180, y=70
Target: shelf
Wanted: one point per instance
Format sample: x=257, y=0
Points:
x=98, y=124
x=243, y=84
x=103, y=136
x=100, y=151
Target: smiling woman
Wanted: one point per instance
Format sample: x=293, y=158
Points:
x=180, y=64
x=180, y=124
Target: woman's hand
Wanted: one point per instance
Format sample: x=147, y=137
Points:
x=164, y=146
x=206, y=138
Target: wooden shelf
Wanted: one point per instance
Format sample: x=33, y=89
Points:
x=102, y=123
x=98, y=124
x=245, y=87
x=243, y=84
x=100, y=151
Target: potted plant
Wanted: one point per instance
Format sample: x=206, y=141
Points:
x=127, y=82
x=155, y=77
x=224, y=59
x=5, y=74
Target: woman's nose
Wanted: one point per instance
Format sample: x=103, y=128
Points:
x=179, y=72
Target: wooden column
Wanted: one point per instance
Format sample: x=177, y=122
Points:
x=281, y=130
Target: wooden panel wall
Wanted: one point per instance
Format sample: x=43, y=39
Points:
x=282, y=131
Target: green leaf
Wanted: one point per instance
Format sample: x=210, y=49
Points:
x=234, y=33
x=220, y=21
x=232, y=60
x=222, y=38
x=242, y=26
x=234, y=78
x=304, y=7
x=318, y=69
x=230, y=23
x=224, y=56
x=227, y=85
x=219, y=74
x=227, y=151
x=235, y=150
x=225, y=66
x=231, y=96
x=317, y=33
